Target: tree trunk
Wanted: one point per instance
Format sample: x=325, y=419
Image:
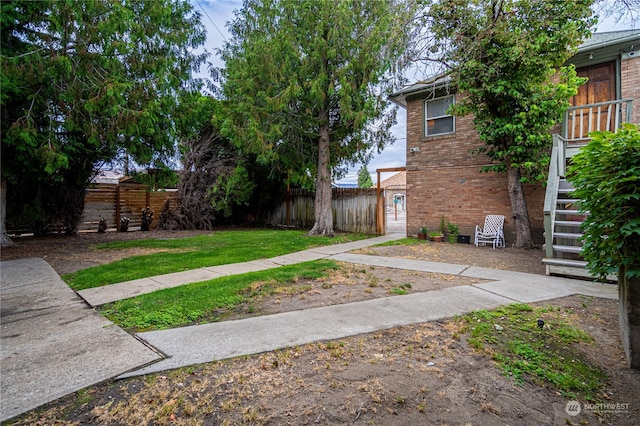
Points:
x=520, y=211
x=323, y=216
x=5, y=241
x=629, y=307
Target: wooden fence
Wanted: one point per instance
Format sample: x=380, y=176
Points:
x=112, y=202
x=354, y=210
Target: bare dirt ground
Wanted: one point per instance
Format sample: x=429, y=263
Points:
x=425, y=374
x=70, y=253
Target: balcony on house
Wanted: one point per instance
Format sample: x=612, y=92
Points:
x=562, y=214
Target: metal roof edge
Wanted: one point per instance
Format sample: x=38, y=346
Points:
x=399, y=97
x=635, y=35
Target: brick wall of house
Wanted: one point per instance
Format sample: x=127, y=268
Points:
x=630, y=84
x=443, y=179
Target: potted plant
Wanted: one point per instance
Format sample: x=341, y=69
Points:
x=147, y=218
x=102, y=225
x=124, y=224
x=464, y=239
x=436, y=236
x=422, y=232
x=454, y=231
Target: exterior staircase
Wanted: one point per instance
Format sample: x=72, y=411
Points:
x=562, y=215
x=563, y=252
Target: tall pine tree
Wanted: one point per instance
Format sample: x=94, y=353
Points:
x=306, y=83
x=82, y=82
x=364, y=178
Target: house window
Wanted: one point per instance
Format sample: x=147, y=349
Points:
x=436, y=119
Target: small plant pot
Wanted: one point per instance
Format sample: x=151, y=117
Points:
x=453, y=239
x=422, y=236
x=124, y=224
x=464, y=239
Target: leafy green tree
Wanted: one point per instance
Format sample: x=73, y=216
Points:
x=230, y=190
x=218, y=183
x=157, y=178
x=606, y=177
x=507, y=56
x=305, y=86
x=82, y=81
x=364, y=178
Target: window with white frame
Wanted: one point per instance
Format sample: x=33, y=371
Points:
x=436, y=119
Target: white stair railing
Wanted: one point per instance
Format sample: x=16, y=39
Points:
x=551, y=194
x=581, y=120
x=578, y=122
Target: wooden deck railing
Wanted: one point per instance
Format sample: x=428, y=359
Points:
x=580, y=120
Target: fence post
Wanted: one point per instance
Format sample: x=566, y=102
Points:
x=288, y=205
x=118, y=206
x=380, y=213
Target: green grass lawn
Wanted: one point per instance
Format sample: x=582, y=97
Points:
x=219, y=248
x=204, y=302
x=545, y=356
x=401, y=242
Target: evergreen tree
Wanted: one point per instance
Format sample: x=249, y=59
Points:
x=306, y=80
x=364, y=178
x=82, y=82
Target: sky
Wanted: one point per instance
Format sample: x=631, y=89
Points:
x=216, y=14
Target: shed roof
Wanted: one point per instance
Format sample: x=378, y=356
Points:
x=397, y=180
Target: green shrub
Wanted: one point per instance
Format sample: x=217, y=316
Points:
x=606, y=177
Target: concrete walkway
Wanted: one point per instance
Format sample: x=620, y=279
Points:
x=53, y=344
x=106, y=294
x=210, y=342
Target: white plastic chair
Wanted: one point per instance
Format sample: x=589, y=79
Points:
x=492, y=232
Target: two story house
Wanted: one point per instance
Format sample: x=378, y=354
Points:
x=442, y=175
